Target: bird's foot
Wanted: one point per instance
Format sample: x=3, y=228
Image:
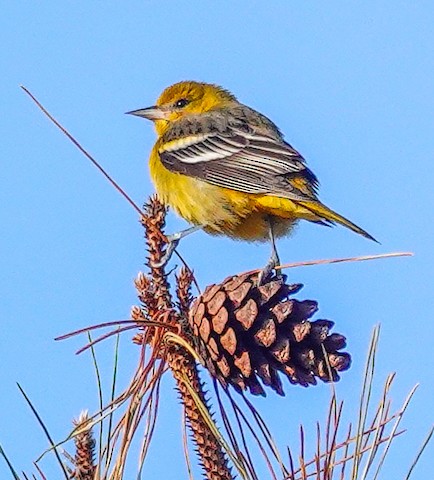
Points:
x=267, y=271
x=172, y=243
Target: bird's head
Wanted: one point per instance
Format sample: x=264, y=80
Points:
x=182, y=99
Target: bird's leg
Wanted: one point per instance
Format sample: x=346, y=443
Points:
x=172, y=243
x=274, y=260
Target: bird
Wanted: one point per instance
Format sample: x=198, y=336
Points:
x=227, y=169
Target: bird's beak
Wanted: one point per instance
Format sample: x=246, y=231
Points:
x=151, y=113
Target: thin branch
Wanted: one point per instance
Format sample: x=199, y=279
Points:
x=329, y=261
x=83, y=151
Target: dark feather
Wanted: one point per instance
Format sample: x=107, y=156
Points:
x=239, y=149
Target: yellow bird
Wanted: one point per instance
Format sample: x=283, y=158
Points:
x=226, y=169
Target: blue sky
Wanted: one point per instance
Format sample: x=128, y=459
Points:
x=351, y=86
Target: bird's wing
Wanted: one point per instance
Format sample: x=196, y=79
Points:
x=243, y=158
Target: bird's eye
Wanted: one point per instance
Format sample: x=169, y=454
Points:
x=181, y=103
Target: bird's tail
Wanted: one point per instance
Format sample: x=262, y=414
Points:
x=325, y=213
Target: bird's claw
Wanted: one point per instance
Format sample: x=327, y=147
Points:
x=267, y=271
x=172, y=243
x=171, y=246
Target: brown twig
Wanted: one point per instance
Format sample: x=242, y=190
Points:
x=329, y=261
x=83, y=151
x=154, y=291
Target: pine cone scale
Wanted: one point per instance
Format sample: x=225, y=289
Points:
x=247, y=314
x=220, y=320
x=239, y=294
x=266, y=333
x=216, y=302
x=244, y=364
x=229, y=341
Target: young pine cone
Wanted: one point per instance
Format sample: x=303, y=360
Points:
x=243, y=332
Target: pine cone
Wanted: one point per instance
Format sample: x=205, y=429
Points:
x=243, y=332
x=84, y=450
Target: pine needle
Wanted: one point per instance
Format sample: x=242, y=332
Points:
x=419, y=454
x=8, y=463
x=45, y=430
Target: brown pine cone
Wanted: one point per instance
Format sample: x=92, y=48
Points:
x=243, y=332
